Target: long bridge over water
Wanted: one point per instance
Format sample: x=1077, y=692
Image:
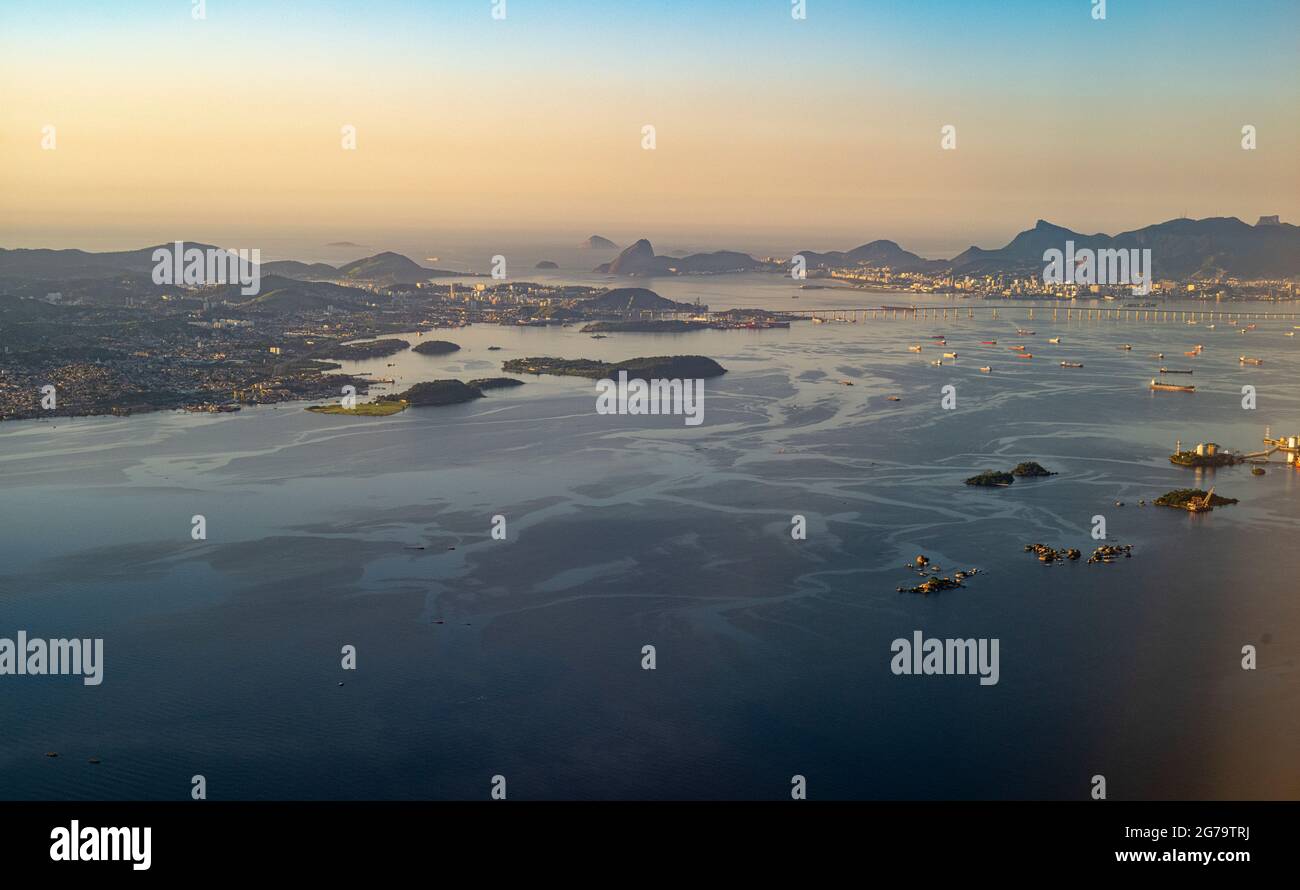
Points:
x=1030, y=313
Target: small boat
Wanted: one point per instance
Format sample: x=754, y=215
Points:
x=1017, y=348
x=1055, y=340
x=937, y=362
x=846, y=383
x=988, y=342
x=1250, y=360
x=1257, y=471
x=914, y=349
x=1024, y=333
x=1250, y=327
x=1210, y=327
x=938, y=337
x=599, y=337
x=1127, y=347
x=1071, y=364
x=1025, y=355
x=950, y=355
x=1193, y=353
x=1170, y=387
x=986, y=370
x=1290, y=333
x=1174, y=371
x=1157, y=355
x=893, y=399
x=493, y=348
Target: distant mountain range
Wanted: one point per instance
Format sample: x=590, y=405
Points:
x=382, y=268
x=65, y=265
x=1180, y=248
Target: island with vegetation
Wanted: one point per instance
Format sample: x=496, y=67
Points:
x=436, y=393
x=436, y=347
x=1193, y=459
x=1183, y=498
x=650, y=368
x=495, y=382
x=994, y=478
x=991, y=478
x=369, y=349
x=365, y=409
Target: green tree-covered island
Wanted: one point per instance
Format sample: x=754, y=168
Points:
x=434, y=393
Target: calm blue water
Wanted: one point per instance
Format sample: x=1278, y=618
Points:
x=522, y=657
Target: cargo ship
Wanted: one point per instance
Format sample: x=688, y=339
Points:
x=1175, y=371
x=1170, y=387
x=1071, y=364
x=1250, y=360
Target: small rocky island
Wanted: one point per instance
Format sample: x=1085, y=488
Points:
x=995, y=479
x=652, y=368
x=934, y=582
x=436, y=347
x=370, y=349
x=547, y=264
x=991, y=479
x=1106, y=553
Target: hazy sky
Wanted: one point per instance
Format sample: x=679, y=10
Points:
x=825, y=132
